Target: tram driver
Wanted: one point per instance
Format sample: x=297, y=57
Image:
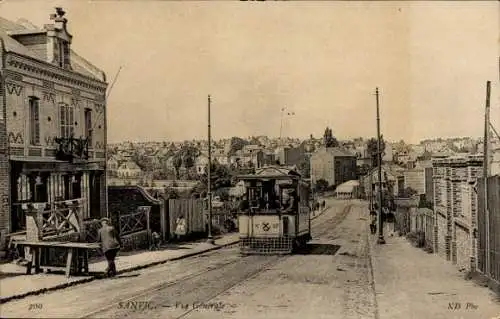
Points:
x=289, y=199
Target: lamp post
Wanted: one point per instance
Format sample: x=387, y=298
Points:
x=210, y=239
x=380, y=239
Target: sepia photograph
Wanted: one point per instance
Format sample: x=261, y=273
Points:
x=250, y=159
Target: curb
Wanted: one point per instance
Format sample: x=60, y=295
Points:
x=99, y=277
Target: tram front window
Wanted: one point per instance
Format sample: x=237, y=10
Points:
x=263, y=198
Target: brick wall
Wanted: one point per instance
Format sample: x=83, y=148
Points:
x=50, y=93
x=463, y=247
x=139, y=240
x=429, y=185
x=441, y=240
x=4, y=161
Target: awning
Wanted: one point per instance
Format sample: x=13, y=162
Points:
x=43, y=164
x=347, y=187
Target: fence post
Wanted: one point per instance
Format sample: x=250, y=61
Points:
x=163, y=218
x=148, y=226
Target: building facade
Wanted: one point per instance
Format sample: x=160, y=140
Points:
x=290, y=155
x=52, y=125
x=455, y=208
x=415, y=179
x=334, y=165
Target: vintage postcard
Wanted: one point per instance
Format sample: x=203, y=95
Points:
x=249, y=159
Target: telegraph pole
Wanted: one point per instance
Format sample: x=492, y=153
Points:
x=210, y=239
x=380, y=239
x=106, y=137
x=486, y=173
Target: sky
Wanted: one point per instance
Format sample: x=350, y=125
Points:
x=320, y=60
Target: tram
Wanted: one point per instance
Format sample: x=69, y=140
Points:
x=274, y=217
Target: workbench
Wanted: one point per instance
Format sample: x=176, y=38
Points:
x=77, y=255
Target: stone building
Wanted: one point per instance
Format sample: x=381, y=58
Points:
x=129, y=169
x=289, y=155
x=52, y=125
x=334, y=165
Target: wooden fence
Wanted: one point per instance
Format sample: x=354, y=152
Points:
x=402, y=221
x=493, y=238
x=424, y=223
x=135, y=222
x=192, y=211
x=403, y=215
x=196, y=215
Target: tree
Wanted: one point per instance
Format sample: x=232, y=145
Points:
x=170, y=193
x=328, y=138
x=219, y=177
x=236, y=145
x=188, y=161
x=185, y=157
x=177, y=162
x=372, y=146
x=144, y=162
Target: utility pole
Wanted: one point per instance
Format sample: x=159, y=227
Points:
x=486, y=173
x=106, y=137
x=380, y=239
x=283, y=109
x=281, y=123
x=210, y=239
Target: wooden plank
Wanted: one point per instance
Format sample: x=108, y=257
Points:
x=60, y=244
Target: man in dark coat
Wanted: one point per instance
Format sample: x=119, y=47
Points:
x=110, y=244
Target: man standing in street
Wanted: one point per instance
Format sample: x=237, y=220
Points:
x=110, y=244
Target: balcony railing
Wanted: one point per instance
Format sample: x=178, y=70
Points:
x=56, y=218
x=71, y=148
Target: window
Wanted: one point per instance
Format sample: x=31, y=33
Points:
x=66, y=118
x=62, y=54
x=66, y=55
x=88, y=125
x=34, y=104
x=60, y=59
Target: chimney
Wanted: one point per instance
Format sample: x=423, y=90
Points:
x=59, y=40
x=58, y=17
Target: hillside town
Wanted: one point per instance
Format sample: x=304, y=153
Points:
x=158, y=165
x=243, y=226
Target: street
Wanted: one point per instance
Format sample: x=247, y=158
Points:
x=330, y=279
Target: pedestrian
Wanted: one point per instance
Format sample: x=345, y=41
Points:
x=155, y=241
x=373, y=225
x=110, y=242
x=180, y=228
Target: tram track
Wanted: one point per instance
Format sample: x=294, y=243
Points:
x=320, y=229
x=336, y=220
